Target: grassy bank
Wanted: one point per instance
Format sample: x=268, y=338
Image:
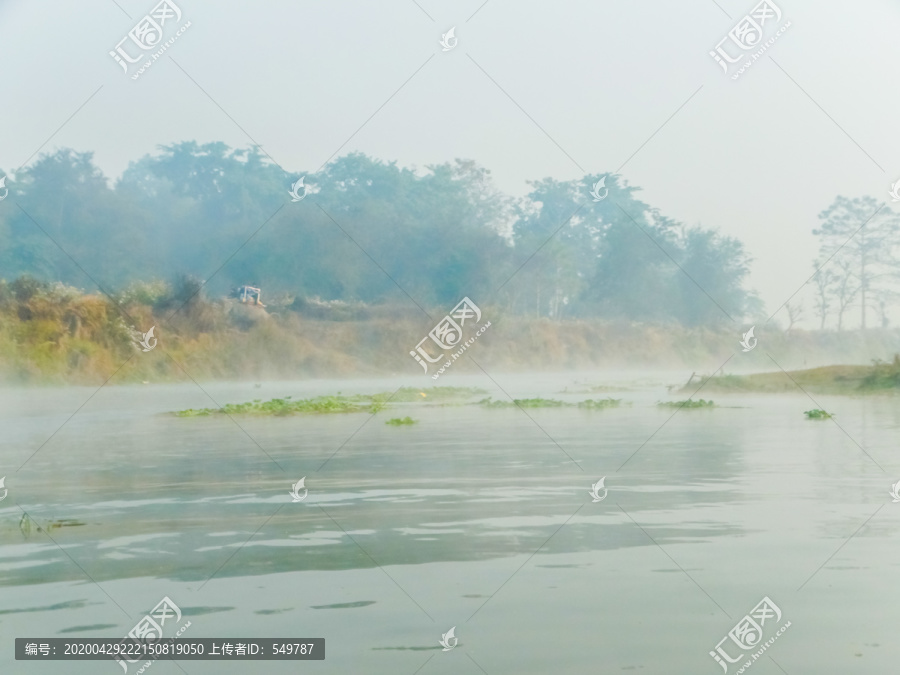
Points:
x=50, y=333
x=878, y=377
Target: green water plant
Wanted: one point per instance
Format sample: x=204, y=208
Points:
x=600, y=404
x=700, y=403
x=523, y=403
x=194, y=412
x=374, y=403
x=817, y=414
x=537, y=403
x=288, y=406
x=401, y=421
x=550, y=403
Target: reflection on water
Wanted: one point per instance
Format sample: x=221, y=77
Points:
x=408, y=531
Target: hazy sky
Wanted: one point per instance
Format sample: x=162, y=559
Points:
x=532, y=89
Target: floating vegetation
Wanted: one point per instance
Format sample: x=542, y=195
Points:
x=339, y=403
x=192, y=412
x=488, y=403
x=550, y=403
x=817, y=414
x=686, y=404
x=400, y=421
x=537, y=403
x=522, y=403
x=600, y=404
x=288, y=406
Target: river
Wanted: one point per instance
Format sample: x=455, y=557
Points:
x=473, y=518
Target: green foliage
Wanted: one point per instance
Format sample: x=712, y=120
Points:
x=687, y=404
x=600, y=404
x=48, y=330
x=522, y=403
x=444, y=233
x=589, y=404
x=883, y=375
x=335, y=404
x=286, y=406
x=150, y=293
x=400, y=421
x=817, y=414
x=845, y=379
x=192, y=412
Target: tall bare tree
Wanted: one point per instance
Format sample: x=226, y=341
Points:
x=862, y=236
x=824, y=280
x=795, y=314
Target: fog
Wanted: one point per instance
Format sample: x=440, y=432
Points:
x=529, y=93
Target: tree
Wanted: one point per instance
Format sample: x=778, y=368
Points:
x=368, y=229
x=713, y=271
x=795, y=314
x=546, y=251
x=846, y=288
x=69, y=213
x=825, y=280
x=863, y=238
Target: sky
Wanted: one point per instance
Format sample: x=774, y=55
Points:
x=530, y=90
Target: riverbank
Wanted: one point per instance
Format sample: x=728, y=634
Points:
x=879, y=377
x=52, y=334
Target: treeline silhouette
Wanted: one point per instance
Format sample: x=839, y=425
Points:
x=368, y=232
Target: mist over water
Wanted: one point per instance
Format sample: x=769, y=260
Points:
x=450, y=508
x=472, y=337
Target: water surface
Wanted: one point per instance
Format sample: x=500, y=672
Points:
x=474, y=518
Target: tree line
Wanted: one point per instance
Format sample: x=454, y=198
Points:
x=372, y=232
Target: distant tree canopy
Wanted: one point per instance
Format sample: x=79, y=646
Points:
x=368, y=231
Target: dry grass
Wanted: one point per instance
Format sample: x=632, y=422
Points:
x=51, y=333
